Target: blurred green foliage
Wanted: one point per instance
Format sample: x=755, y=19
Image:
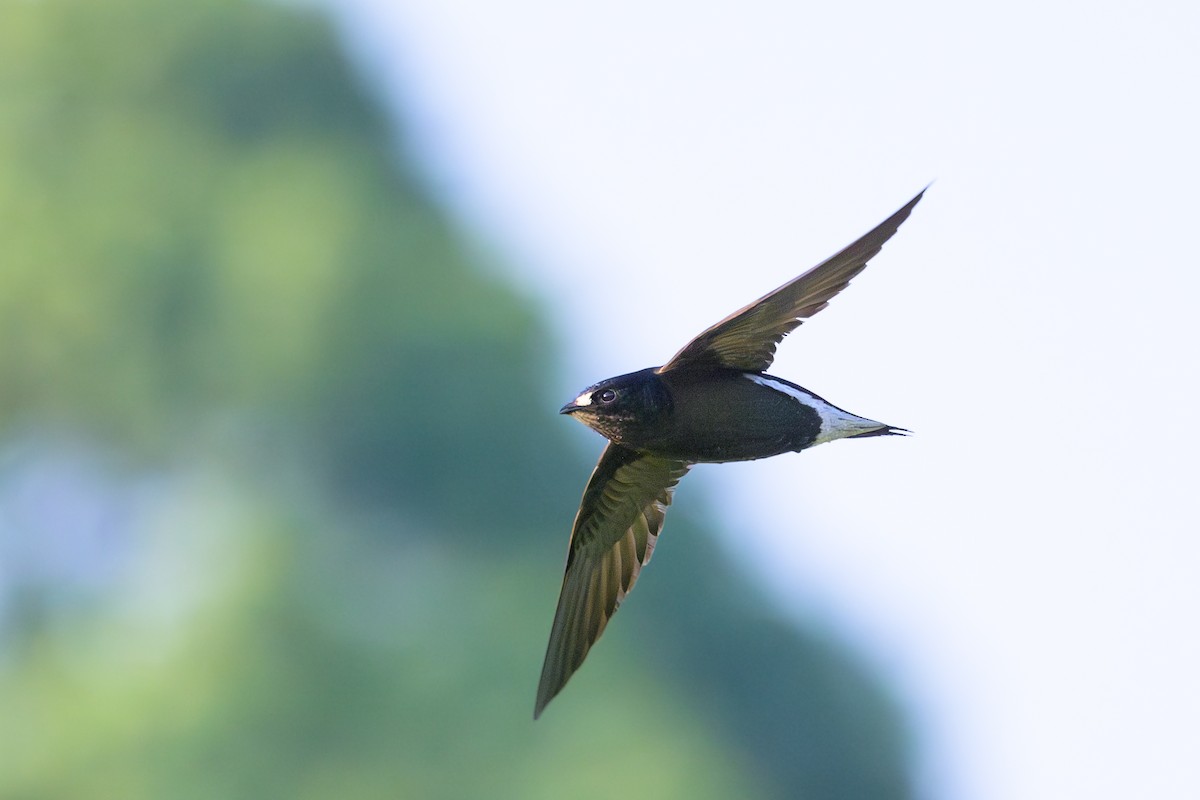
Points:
x=330, y=501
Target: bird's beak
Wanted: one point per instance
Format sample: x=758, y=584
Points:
x=583, y=401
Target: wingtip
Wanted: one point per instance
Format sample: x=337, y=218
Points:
x=552, y=680
x=911, y=204
x=543, y=700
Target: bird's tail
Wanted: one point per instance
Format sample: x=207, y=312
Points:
x=886, y=430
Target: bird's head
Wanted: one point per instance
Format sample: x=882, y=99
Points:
x=619, y=407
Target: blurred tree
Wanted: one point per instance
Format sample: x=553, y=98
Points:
x=345, y=501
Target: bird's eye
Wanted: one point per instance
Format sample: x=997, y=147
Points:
x=605, y=396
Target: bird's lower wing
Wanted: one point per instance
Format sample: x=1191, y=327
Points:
x=615, y=530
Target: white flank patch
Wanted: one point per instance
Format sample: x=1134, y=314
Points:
x=584, y=399
x=835, y=423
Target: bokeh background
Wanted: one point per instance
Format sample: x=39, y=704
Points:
x=289, y=294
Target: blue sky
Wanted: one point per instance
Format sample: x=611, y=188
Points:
x=1023, y=569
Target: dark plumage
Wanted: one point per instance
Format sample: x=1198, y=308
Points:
x=711, y=402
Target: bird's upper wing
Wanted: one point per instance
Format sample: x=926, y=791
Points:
x=746, y=339
x=618, y=522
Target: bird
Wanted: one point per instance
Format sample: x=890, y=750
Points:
x=711, y=402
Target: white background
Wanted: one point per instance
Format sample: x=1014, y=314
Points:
x=1025, y=570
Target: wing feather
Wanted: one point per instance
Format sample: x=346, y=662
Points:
x=746, y=339
x=619, y=519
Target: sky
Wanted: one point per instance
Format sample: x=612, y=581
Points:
x=1023, y=570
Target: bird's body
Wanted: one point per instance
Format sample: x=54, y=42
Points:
x=712, y=402
x=719, y=415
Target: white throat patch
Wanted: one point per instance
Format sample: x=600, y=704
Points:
x=835, y=423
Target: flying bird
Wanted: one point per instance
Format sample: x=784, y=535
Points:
x=712, y=402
